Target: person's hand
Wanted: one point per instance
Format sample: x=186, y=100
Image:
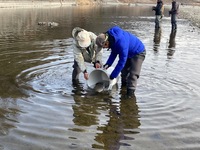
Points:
x=105, y=67
x=112, y=82
x=86, y=76
x=169, y=13
x=97, y=65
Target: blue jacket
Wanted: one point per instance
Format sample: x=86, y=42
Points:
x=124, y=44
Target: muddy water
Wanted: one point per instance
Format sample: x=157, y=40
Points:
x=40, y=109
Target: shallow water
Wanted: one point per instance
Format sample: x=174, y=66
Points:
x=40, y=109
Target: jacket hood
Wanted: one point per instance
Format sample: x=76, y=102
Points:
x=116, y=33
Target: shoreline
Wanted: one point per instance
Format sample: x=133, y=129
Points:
x=32, y=4
x=187, y=11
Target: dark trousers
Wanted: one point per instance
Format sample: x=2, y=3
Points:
x=76, y=71
x=131, y=71
x=173, y=21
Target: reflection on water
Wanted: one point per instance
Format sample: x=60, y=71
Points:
x=157, y=38
x=172, y=44
x=121, y=125
x=7, y=90
x=85, y=107
x=40, y=108
x=9, y=112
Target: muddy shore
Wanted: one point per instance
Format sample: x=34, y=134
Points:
x=188, y=9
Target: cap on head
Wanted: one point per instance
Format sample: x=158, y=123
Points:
x=101, y=39
x=83, y=39
x=75, y=31
x=81, y=36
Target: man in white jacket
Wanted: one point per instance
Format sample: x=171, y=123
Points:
x=85, y=50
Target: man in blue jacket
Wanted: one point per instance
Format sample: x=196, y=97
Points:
x=131, y=53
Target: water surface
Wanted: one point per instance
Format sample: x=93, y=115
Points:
x=40, y=109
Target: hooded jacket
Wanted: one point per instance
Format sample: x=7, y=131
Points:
x=124, y=44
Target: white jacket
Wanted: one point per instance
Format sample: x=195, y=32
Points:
x=90, y=55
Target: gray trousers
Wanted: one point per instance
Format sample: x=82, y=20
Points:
x=158, y=21
x=173, y=21
x=76, y=71
x=131, y=71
